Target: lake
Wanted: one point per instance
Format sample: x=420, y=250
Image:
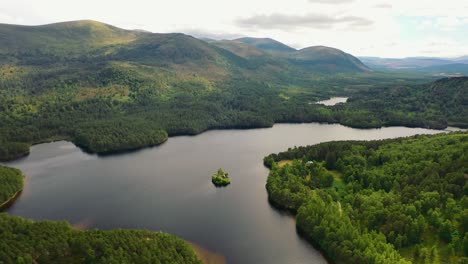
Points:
x=169, y=188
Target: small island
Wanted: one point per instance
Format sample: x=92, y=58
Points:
x=221, y=178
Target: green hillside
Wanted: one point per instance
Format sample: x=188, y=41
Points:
x=266, y=44
x=240, y=48
x=68, y=39
x=107, y=89
x=316, y=59
x=327, y=59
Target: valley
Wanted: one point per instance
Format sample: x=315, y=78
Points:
x=125, y=90
x=118, y=133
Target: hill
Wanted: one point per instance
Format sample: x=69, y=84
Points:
x=240, y=48
x=266, y=44
x=107, y=89
x=313, y=59
x=327, y=59
x=67, y=38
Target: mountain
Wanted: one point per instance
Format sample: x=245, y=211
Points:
x=108, y=89
x=72, y=38
x=409, y=63
x=421, y=65
x=86, y=40
x=462, y=59
x=319, y=59
x=240, y=48
x=266, y=44
x=329, y=59
x=454, y=69
x=93, y=42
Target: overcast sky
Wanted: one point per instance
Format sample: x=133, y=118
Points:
x=396, y=28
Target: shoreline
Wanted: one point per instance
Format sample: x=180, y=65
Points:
x=10, y=201
x=5, y=205
x=207, y=256
x=124, y=151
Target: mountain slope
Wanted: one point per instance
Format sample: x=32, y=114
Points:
x=90, y=40
x=239, y=48
x=328, y=59
x=107, y=89
x=68, y=37
x=266, y=44
x=313, y=59
x=93, y=42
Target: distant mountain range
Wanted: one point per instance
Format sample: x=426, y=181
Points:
x=316, y=58
x=450, y=65
x=85, y=40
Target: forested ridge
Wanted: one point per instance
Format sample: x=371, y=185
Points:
x=108, y=89
x=25, y=241
x=389, y=201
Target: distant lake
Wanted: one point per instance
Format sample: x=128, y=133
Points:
x=333, y=101
x=169, y=188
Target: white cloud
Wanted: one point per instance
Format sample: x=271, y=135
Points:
x=311, y=20
x=450, y=23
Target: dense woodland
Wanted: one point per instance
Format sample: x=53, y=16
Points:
x=25, y=241
x=389, y=201
x=435, y=105
x=11, y=182
x=108, y=89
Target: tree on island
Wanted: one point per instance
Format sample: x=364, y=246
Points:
x=221, y=178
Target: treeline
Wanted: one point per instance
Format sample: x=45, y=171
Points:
x=394, y=199
x=25, y=241
x=434, y=105
x=107, y=137
x=13, y=150
x=110, y=106
x=11, y=182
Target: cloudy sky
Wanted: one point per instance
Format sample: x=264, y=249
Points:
x=397, y=28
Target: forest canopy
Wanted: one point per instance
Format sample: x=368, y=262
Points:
x=25, y=241
x=391, y=201
x=11, y=182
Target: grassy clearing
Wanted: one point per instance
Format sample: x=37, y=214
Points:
x=282, y=163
